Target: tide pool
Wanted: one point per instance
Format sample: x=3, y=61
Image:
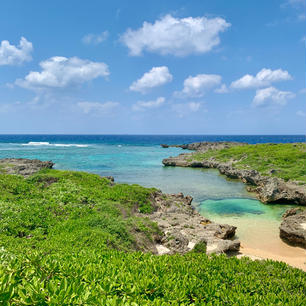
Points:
x=231, y=207
x=138, y=160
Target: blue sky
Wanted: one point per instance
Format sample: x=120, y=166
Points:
x=152, y=67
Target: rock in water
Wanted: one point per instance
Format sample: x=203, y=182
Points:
x=23, y=166
x=293, y=227
x=183, y=227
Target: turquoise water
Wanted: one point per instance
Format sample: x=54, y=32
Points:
x=138, y=159
x=245, y=207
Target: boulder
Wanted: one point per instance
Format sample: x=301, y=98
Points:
x=184, y=228
x=293, y=228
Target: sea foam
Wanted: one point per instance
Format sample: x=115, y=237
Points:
x=45, y=143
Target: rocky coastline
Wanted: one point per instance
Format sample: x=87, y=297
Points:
x=23, y=166
x=267, y=189
x=182, y=228
x=205, y=146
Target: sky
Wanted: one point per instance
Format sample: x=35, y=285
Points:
x=152, y=67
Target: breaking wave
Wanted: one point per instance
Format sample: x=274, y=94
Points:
x=45, y=143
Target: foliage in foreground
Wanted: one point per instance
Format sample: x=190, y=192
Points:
x=117, y=278
x=288, y=161
x=69, y=238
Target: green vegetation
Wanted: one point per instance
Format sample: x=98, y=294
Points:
x=72, y=238
x=200, y=247
x=55, y=209
x=286, y=161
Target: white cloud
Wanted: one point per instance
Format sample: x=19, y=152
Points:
x=62, y=72
x=265, y=77
x=15, y=55
x=97, y=108
x=301, y=113
x=222, y=89
x=95, y=39
x=179, y=37
x=183, y=109
x=271, y=95
x=198, y=85
x=157, y=76
x=143, y=105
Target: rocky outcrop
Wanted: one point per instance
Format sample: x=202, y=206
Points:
x=205, y=145
x=184, y=228
x=181, y=226
x=267, y=189
x=22, y=166
x=293, y=227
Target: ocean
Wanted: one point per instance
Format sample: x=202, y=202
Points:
x=137, y=159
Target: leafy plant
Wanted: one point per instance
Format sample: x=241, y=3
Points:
x=73, y=238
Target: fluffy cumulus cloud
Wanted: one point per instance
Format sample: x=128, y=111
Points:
x=271, y=95
x=97, y=108
x=184, y=109
x=95, y=39
x=15, y=55
x=157, y=76
x=145, y=105
x=176, y=36
x=265, y=77
x=61, y=72
x=198, y=85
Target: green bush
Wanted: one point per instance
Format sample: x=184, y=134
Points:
x=200, y=247
x=70, y=238
x=117, y=278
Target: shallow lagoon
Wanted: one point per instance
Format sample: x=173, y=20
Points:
x=215, y=197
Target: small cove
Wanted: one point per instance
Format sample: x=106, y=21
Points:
x=215, y=197
x=257, y=228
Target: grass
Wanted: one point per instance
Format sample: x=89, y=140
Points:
x=73, y=238
x=286, y=161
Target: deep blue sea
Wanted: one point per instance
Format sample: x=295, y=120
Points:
x=138, y=159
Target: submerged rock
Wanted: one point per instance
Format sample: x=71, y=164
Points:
x=23, y=166
x=293, y=227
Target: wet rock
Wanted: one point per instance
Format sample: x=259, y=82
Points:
x=293, y=228
x=291, y=212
